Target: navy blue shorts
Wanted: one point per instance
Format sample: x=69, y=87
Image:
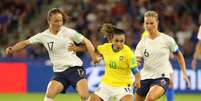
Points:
x=146, y=85
x=70, y=76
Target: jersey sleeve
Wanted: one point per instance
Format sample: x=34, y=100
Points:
x=173, y=45
x=100, y=49
x=75, y=36
x=199, y=33
x=139, y=49
x=132, y=59
x=36, y=38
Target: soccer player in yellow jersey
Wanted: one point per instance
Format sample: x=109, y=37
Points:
x=120, y=63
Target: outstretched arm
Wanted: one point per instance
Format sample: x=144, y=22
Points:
x=17, y=47
x=196, y=55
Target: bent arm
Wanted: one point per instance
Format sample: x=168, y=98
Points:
x=17, y=47
x=91, y=50
x=20, y=45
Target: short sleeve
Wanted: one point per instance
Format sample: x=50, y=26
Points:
x=100, y=48
x=77, y=37
x=172, y=45
x=36, y=38
x=74, y=35
x=132, y=60
x=139, y=49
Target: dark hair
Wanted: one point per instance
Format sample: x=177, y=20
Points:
x=53, y=11
x=109, y=30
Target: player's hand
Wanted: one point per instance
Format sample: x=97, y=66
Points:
x=9, y=51
x=185, y=78
x=73, y=47
x=137, y=84
x=193, y=64
x=95, y=59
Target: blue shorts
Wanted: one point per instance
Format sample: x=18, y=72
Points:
x=70, y=76
x=146, y=85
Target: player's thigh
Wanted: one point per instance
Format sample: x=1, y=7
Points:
x=123, y=93
x=54, y=87
x=141, y=92
x=155, y=92
x=82, y=87
x=139, y=98
x=127, y=98
x=104, y=92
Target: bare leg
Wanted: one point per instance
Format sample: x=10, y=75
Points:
x=155, y=92
x=54, y=87
x=139, y=98
x=127, y=98
x=82, y=89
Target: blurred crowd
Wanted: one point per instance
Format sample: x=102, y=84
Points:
x=14, y=15
x=177, y=18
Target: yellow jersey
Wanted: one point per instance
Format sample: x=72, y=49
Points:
x=118, y=65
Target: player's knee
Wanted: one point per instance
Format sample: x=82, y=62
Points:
x=84, y=96
x=149, y=98
x=50, y=94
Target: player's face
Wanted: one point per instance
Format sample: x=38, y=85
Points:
x=150, y=24
x=56, y=21
x=118, y=41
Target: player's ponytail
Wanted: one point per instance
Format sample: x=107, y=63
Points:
x=107, y=27
x=107, y=30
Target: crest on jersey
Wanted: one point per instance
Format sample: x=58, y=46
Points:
x=121, y=58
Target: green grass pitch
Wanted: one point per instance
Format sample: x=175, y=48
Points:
x=75, y=97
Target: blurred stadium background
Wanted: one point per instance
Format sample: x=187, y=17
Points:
x=24, y=76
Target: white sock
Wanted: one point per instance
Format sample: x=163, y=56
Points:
x=48, y=99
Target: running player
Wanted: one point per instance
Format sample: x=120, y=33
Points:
x=120, y=62
x=67, y=66
x=155, y=51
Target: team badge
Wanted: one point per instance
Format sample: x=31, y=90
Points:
x=121, y=58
